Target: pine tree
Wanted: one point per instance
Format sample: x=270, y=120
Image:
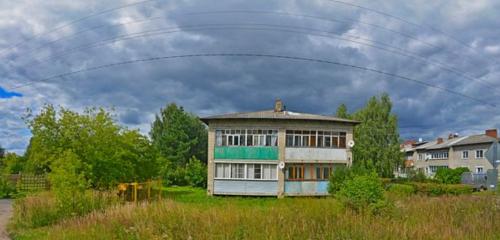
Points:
x=342, y=112
x=179, y=135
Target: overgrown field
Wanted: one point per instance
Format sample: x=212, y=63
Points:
x=187, y=213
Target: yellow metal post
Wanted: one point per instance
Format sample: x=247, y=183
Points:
x=149, y=189
x=135, y=191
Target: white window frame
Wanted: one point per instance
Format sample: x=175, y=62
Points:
x=482, y=153
x=272, y=169
x=479, y=167
x=464, y=153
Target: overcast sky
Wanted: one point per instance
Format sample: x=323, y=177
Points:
x=454, y=45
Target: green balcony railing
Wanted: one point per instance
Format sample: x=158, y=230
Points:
x=257, y=153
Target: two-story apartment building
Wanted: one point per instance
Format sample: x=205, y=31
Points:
x=275, y=152
x=452, y=152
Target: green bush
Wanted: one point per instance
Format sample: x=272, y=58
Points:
x=361, y=191
x=338, y=177
x=417, y=176
x=7, y=188
x=436, y=189
x=401, y=190
x=68, y=184
x=196, y=173
x=450, y=176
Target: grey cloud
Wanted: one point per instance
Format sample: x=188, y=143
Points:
x=223, y=84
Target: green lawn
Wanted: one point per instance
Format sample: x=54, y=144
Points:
x=187, y=213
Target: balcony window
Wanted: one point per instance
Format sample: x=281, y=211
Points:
x=246, y=137
x=320, y=139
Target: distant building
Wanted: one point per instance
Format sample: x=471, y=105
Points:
x=275, y=152
x=452, y=152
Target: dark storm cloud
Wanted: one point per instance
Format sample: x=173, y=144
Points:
x=210, y=85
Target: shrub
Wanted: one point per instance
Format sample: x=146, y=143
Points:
x=436, y=189
x=416, y=176
x=68, y=184
x=196, y=173
x=7, y=188
x=450, y=176
x=338, y=177
x=401, y=190
x=361, y=191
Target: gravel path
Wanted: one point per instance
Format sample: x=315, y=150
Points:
x=5, y=214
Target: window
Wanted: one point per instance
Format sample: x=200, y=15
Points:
x=238, y=171
x=479, y=153
x=308, y=172
x=433, y=169
x=320, y=139
x=222, y=170
x=439, y=155
x=246, y=137
x=480, y=169
x=257, y=171
x=295, y=172
x=323, y=172
x=421, y=156
x=253, y=171
x=465, y=154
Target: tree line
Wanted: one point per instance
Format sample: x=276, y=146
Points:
x=91, y=146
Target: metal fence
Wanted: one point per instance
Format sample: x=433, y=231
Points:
x=144, y=191
x=30, y=182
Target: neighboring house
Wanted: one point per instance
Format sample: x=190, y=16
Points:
x=453, y=152
x=275, y=152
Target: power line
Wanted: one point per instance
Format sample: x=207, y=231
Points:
x=270, y=27
x=402, y=20
x=329, y=19
x=73, y=22
x=315, y=60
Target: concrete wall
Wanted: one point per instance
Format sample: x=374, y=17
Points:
x=292, y=154
x=298, y=188
x=246, y=187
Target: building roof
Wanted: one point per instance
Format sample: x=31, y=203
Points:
x=476, y=139
x=457, y=141
x=278, y=115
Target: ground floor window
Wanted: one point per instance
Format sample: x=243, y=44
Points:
x=246, y=171
x=480, y=169
x=433, y=169
x=308, y=171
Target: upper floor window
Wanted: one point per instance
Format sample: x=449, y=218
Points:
x=479, y=153
x=246, y=137
x=421, y=156
x=321, y=139
x=465, y=154
x=439, y=155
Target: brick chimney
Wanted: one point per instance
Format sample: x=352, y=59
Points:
x=278, y=105
x=491, y=132
x=439, y=140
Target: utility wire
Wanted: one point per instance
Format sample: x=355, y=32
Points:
x=329, y=19
x=400, y=19
x=269, y=27
x=73, y=22
x=259, y=55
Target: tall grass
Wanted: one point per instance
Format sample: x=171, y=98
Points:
x=415, y=217
x=41, y=209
